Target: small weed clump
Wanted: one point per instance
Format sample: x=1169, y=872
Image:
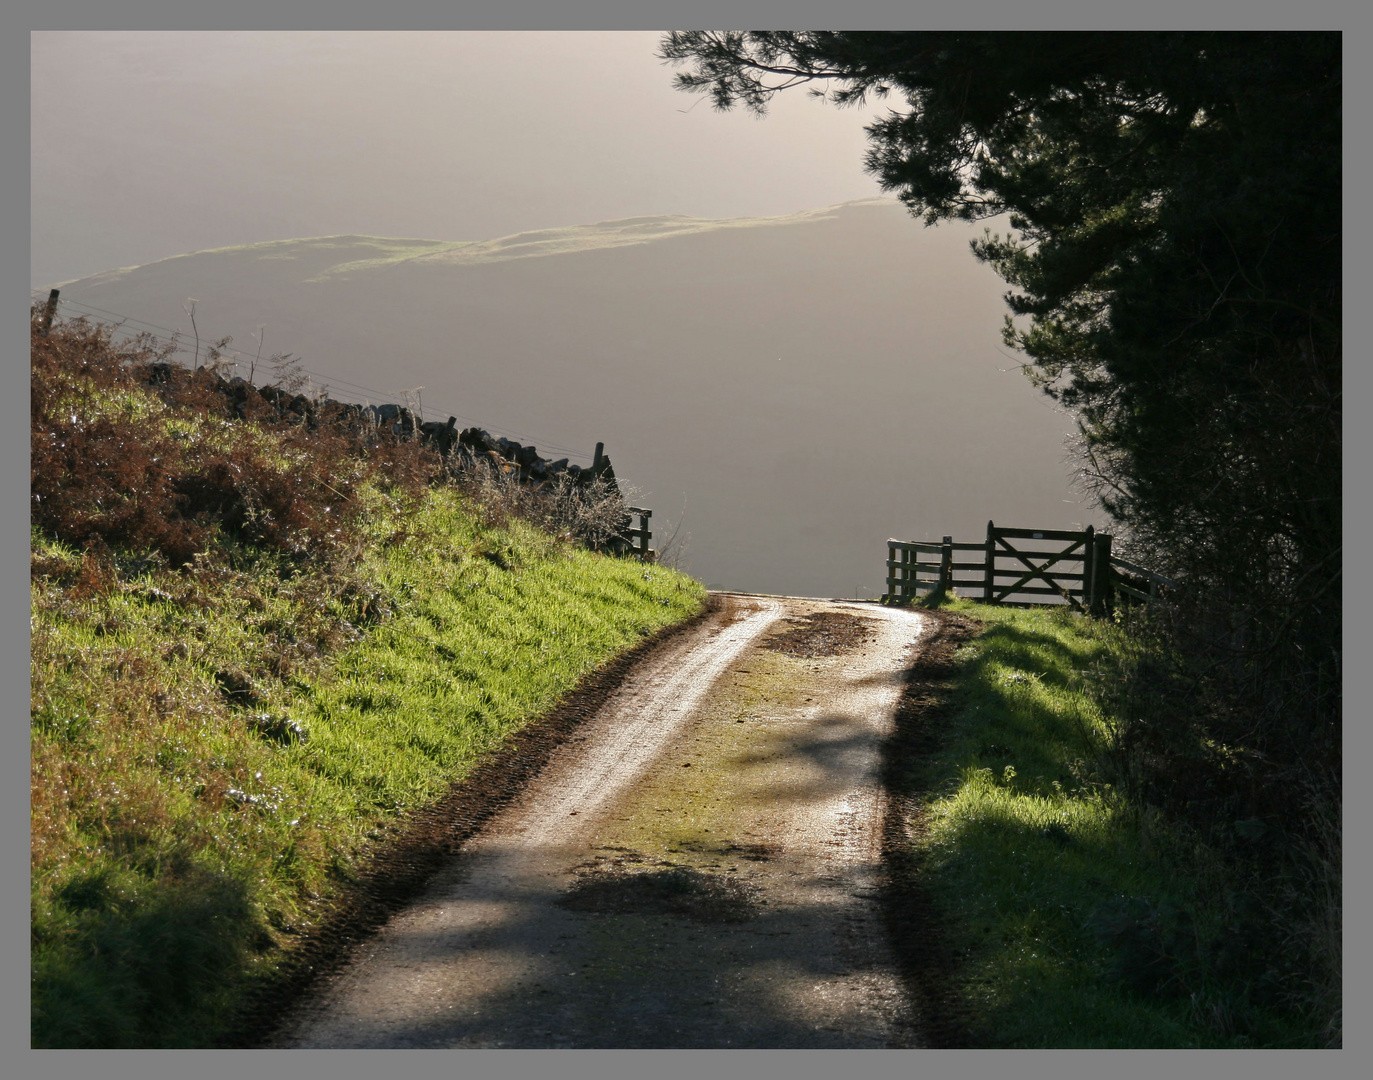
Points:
x=255, y=648
x=592, y=514
x=1082, y=915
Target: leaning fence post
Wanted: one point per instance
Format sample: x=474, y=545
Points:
x=49, y=310
x=991, y=565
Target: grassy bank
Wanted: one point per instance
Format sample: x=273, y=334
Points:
x=1082, y=918
x=255, y=650
x=206, y=767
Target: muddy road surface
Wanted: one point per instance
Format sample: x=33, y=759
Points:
x=697, y=867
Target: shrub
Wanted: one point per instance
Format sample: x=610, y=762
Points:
x=129, y=451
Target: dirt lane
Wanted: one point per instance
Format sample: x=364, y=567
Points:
x=698, y=867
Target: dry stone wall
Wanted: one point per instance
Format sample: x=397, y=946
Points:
x=471, y=446
x=467, y=452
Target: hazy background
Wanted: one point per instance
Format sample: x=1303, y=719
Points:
x=152, y=144
x=793, y=392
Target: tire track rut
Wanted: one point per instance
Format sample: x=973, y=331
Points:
x=698, y=865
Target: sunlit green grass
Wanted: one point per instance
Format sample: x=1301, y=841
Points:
x=1048, y=877
x=183, y=836
x=472, y=648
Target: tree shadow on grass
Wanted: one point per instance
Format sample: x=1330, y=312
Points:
x=124, y=961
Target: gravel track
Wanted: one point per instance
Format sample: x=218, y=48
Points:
x=698, y=865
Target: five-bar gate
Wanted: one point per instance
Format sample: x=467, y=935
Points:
x=1017, y=566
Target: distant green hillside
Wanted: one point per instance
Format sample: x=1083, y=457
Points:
x=343, y=255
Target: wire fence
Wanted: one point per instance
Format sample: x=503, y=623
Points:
x=128, y=328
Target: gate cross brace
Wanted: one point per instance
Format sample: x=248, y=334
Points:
x=1039, y=571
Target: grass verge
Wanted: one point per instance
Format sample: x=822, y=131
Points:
x=1072, y=916
x=216, y=753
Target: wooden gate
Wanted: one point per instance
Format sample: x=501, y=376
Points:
x=916, y=569
x=1039, y=568
x=1017, y=566
x=641, y=537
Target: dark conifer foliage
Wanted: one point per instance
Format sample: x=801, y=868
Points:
x=1174, y=257
x=1176, y=206
x=1174, y=200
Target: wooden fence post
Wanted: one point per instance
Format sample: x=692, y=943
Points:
x=1101, y=575
x=1088, y=572
x=645, y=535
x=945, y=567
x=991, y=565
x=49, y=310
